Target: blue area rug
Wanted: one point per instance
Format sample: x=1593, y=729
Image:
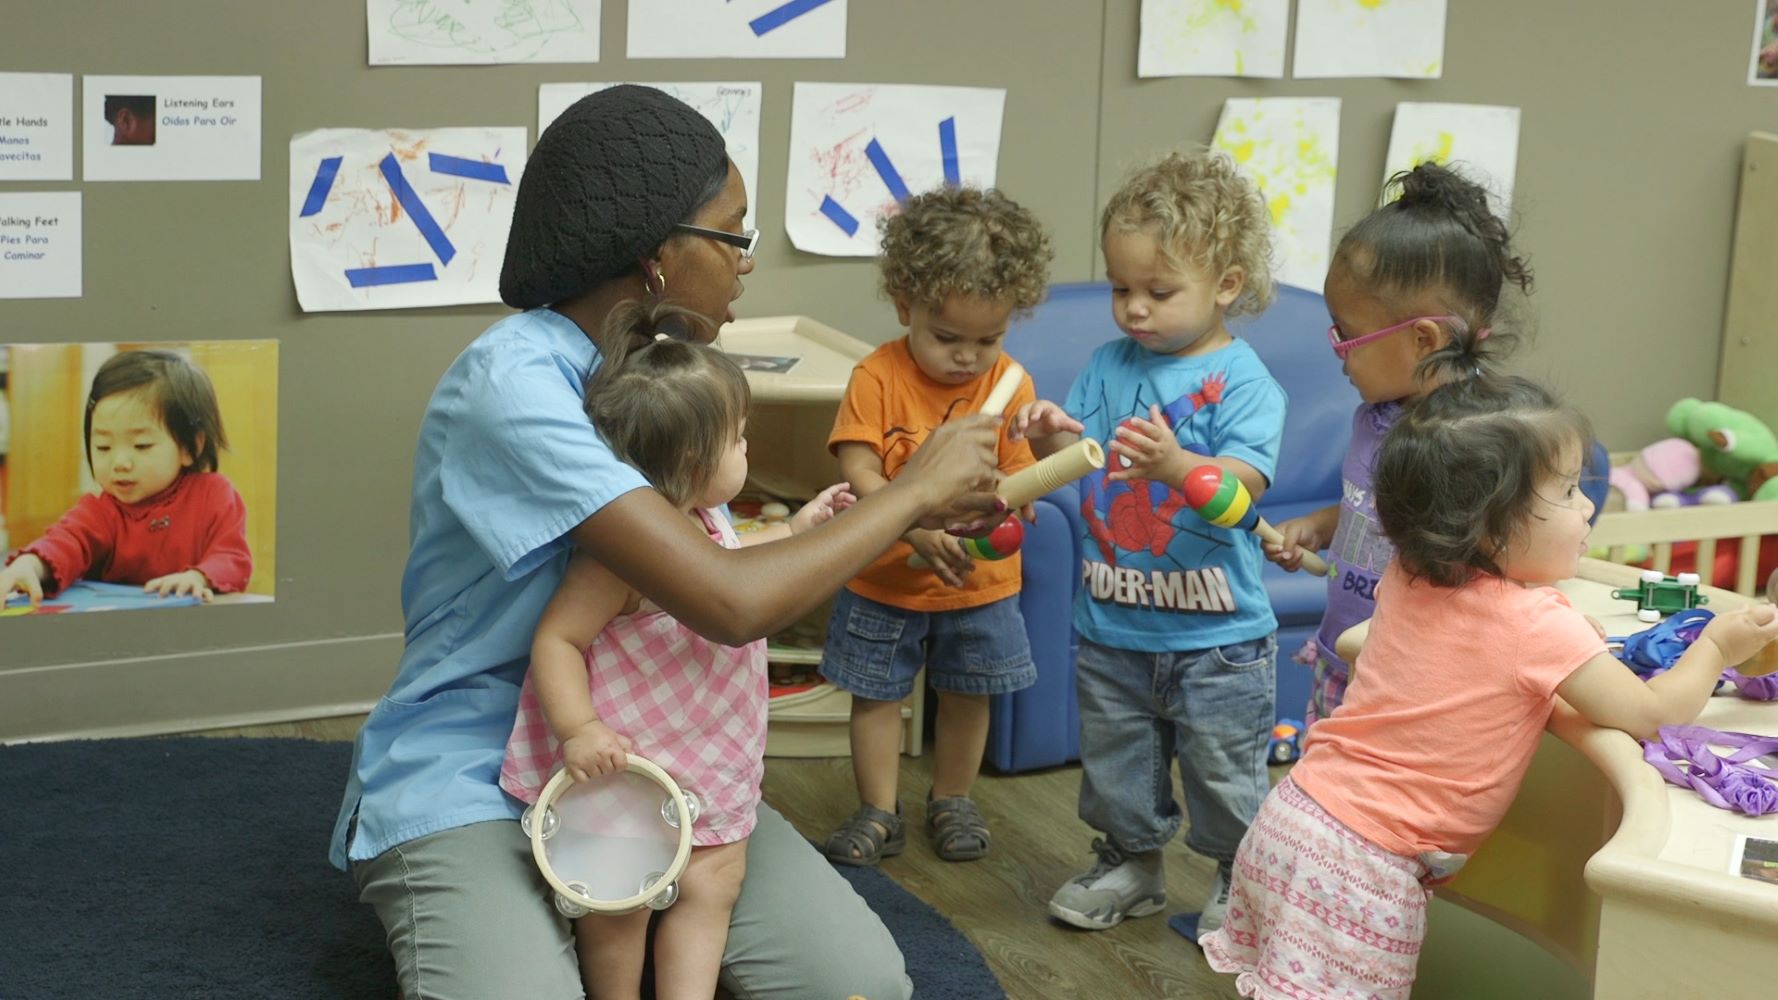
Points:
x=196, y=868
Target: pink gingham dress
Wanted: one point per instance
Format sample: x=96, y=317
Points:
x=694, y=707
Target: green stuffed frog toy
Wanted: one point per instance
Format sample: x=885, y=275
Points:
x=1733, y=444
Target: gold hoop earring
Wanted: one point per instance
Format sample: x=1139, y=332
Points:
x=660, y=280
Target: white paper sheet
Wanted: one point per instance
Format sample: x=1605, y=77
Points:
x=858, y=149
x=737, y=29
x=170, y=128
x=732, y=107
x=456, y=32
x=40, y=245
x=1399, y=38
x=36, y=126
x=386, y=219
x=1480, y=141
x=1213, y=38
x=1290, y=146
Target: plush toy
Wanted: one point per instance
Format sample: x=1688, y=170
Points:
x=1660, y=476
x=1734, y=445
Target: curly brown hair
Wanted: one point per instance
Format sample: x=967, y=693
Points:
x=964, y=241
x=1206, y=215
x=1437, y=230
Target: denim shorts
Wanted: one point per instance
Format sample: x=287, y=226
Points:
x=874, y=650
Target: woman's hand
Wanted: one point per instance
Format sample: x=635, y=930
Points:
x=943, y=553
x=26, y=574
x=821, y=510
x=191, y=583
x=955, y=470
x=595, y=748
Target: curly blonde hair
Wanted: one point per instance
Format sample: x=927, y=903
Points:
x=1206, y=215
x=964, y=241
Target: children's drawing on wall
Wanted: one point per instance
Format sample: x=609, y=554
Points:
x=857, y=151
x=388, y=219
x=1481, y=141
x=732, y=107
x=136, y=476
x=457, y=32
x=1291, y=148
x=1763, y=72
x=1397, y=38
x=1213, y=38
x=737, y=29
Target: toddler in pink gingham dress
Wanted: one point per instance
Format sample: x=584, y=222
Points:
x=694, y=707
x=612, y=674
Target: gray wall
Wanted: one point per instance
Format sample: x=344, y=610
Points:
x=1627, y=174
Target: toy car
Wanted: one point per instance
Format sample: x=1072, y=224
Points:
x=1286, y=743
x=1659, y=594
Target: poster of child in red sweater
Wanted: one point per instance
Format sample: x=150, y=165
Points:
x=136, y=475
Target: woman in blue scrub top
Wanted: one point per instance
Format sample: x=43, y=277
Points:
x=628, y=195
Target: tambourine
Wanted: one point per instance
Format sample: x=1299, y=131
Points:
x=615, y=843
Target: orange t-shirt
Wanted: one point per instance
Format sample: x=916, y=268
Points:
x=1449, y=698
x=893, y=407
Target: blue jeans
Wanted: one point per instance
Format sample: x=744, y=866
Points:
x=874, y=650
x=1211, y=707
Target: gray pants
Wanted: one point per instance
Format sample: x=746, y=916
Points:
x=469, y=917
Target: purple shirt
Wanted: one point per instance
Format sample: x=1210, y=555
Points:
x=1359, y=552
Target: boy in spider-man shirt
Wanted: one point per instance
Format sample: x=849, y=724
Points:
x=1177, y=635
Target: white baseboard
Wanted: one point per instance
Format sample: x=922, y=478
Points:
x=180, y=692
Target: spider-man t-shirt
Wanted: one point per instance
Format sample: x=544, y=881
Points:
x=1156, y=576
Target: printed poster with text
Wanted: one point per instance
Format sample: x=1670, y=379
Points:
x=170, y=128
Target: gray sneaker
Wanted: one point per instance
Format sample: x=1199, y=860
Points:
x=1117, y=886
x=1216, y=905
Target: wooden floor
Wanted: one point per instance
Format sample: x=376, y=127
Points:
x=1000, y=901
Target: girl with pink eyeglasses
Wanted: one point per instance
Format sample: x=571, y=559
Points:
x=1414, y=292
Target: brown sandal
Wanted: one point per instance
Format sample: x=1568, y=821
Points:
x=959, y=833
x=869, y=836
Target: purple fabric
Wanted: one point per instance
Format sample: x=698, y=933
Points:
x=1359, y=552
x=1742, y=782
x=1654, y=650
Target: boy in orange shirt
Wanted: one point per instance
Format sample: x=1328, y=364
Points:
x=958, y=263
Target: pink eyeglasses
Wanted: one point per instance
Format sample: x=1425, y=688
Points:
x=1341, y=348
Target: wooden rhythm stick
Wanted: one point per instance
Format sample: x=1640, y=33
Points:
x=994, y=406
x=1029, y=483
x=1221, y=499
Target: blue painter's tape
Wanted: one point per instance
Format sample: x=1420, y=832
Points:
x=395, y=274
x=416, y=209
x=457, y=166
x=839, y=215
x=947, y=148
x=323, y=183
x=886, y=170
x=783, y=14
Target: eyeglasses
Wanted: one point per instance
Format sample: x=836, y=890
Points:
x=1341, y=348
x=746, y=239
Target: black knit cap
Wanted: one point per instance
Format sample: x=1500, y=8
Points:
x=604, y=187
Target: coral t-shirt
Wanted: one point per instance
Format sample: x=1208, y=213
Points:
x=1449, y=698
x=893, y=407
